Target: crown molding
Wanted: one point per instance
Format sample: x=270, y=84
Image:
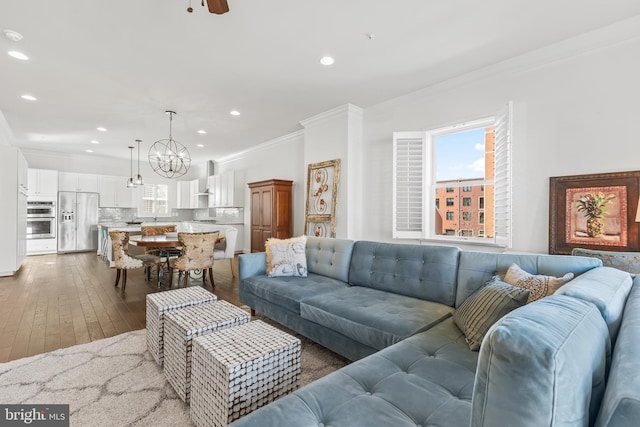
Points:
x=346, y=109
x=584, y=44
x=263, y=146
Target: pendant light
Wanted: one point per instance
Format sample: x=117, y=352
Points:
x=138, y=180
x=130, y=182
x=168, y=157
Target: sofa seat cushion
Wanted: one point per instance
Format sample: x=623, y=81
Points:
x=287, y=292
x=424, y=380
x=372, y=317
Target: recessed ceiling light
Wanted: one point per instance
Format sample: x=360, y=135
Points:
x=202, y=132
x=14, y=36
x=327, y=60
x=101, y=129
x=89, y=151
x=234, y=113
x=93, y=141
x=200, y=145
x=18, y=55
x=29, y=97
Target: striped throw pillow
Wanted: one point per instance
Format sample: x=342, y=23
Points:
x=484, y=307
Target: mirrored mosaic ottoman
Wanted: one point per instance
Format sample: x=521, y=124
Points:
x=162, y=302
x=237, y=370
x=182, y=326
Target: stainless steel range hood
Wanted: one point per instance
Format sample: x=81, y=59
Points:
x=210, y=171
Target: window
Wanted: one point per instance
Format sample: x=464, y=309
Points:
x=437, y=203
x=466, y=216
x=472, y=158
x=466, y=233
x=154, y=200
x=449, y=201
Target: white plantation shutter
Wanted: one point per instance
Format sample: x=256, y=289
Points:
x=408, y=185
x=414, y=185
x=502, y=186
x=154, y=200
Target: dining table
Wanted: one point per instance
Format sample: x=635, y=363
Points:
x=164, y=244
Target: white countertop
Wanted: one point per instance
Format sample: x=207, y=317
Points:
x=188, y=226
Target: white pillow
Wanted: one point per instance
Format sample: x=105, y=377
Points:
x=539, y=286
x=286, y=257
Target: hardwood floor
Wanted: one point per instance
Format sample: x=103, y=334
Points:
x=56, y=301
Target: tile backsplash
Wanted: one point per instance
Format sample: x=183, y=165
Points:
x=131, y=214
x=116, y=214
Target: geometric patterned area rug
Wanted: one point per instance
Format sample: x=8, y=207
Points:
x=116, y=382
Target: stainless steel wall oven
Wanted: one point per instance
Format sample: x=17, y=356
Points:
x=41, y=220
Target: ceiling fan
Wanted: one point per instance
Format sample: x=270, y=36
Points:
x=215, y=6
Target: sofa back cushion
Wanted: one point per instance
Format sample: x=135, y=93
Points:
x=476, y=268
x=329, y=257
x=419, y=271
x=607, y=288
x=625, y=261
x=541, y=365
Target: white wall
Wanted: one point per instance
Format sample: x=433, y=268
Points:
x=337, y=134
x=6, y=136
x=576, y=111
x=281, y=158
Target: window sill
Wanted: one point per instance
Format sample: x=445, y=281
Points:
x=455, y=241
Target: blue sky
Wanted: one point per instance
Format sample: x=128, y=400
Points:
x=460, y=155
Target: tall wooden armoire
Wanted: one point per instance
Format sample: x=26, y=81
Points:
x=271, y=211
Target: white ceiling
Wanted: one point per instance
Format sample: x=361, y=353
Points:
x=121, y=63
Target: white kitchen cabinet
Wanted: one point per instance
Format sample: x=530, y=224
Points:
x=42, y=246
x=114, y=192
x=13, y=215
x=226, y=190
x=214, y=191
x=71, y=181
x=42, y=184
x=183, y=195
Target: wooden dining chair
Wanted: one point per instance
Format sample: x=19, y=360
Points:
x=197, y=254
x=124, y=262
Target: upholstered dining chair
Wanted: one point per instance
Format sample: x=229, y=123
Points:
x=156, y=230
x=197, y=254
x=123, y=261
x=226, y=249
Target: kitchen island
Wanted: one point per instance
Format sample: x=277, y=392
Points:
x=105, y=248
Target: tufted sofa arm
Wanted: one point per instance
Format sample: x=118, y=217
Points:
x=252, y=265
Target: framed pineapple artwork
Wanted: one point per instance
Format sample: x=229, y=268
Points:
x=595, y=211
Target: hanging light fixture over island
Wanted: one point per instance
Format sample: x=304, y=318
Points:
x=168, y=157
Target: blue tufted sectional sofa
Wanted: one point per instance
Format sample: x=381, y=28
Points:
x=570, y=359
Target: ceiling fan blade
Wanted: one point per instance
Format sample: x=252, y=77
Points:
x=218, y=6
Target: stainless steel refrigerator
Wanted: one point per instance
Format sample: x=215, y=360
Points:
x=77, y=221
